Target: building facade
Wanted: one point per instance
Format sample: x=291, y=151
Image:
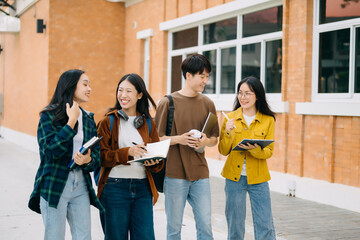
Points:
x=306, y=53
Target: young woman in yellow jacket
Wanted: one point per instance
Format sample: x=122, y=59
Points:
x=247, y=171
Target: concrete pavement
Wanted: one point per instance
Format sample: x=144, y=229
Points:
x=294, y=218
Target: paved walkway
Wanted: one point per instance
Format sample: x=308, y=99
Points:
x=294, y=219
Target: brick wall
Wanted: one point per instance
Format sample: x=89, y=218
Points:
x=88, y=35
x=24, y=71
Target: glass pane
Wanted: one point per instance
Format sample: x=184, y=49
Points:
x=250, y=60
x=176, y=73
x=185, y=38
x=211, y=85
x=338, y=10
x=228, y=70
x=357, y=62
x=273, y=66
x=265, y=21
x=334, y=61
x=220, y=31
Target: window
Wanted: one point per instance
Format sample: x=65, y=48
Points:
x=273, y=66
x=220, y=31
x=176, y=73
x=250, y=64
x=228, y=70
x=338, y=10
x=186, y=38
x=334, y=61
x=237, y=46
x=211, y=85
x=357, y=62
x=265, y=21
x=337, y=57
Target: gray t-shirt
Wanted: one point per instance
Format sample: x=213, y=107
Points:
x=183, y=162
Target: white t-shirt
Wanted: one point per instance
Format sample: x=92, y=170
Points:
x=79, y=137
x=77, y=144
x=128, y=134
x=248, y=121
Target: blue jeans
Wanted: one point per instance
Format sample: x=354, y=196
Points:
x=235, y=209
x=197, y=193
x=128, y=208
x=74, y=205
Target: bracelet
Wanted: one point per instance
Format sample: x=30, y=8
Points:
x=87, y=164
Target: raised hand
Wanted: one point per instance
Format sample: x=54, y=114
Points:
x=230, y=125
x=73, y=113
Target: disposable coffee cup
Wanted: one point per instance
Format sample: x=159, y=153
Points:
x=195, y=133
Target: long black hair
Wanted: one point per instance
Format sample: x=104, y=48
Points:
x=256, y=86
x=64, y=93
x=142, y=105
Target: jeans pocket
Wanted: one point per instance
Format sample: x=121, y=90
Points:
x=112, y=181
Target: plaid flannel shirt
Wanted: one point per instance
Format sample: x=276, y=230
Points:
x=56, y=149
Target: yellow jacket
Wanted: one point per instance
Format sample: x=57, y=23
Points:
x=263, y=127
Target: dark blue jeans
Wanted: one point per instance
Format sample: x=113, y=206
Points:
x=128, y=209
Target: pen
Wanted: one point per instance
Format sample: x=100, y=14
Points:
x=140, y=147
x=227, y=117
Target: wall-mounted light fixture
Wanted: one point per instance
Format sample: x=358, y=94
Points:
x=1, y=49
x=40, y=26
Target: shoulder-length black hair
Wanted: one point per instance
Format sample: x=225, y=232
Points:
x=256, y=86
x=142, y=105
x=64, y=93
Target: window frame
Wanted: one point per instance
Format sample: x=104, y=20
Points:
x=351, y=24
x=146, y=35
x=200, y=19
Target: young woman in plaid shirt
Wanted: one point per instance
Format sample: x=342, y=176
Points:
x=61, y=193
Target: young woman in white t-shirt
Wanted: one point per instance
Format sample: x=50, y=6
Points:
x=127, y=190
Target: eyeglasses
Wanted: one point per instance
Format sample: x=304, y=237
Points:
x=246, y=95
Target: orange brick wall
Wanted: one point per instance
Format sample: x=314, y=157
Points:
x=88, y=35
x=24, y=71
x=297, y=32
x=277, y=161
x=318, y=147
x=347, y=151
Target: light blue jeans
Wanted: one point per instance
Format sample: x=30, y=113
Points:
x=74, y=205
x=197, y=193
x=235, y=209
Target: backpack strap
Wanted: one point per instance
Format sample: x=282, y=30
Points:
x=170, y=116
x=111, y=117
x=148, y=121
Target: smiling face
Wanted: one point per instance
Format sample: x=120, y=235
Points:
x=247, y=97
x=82, y=91
x=128, y=97
x=197, y=81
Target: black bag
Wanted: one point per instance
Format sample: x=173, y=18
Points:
x=159, y=176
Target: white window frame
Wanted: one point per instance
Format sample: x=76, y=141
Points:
x=215, y=14
x=336, y=104
x=145, y=35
